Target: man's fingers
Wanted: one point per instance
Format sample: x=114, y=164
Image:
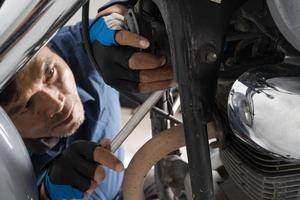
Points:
x=154, y=86
x=155, y=75
x=99, y=174
x=105, y=142
x=127, y=38
x=105, y=157
x=141, y=60
x=92, y=188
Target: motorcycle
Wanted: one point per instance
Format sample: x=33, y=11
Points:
x=236, y=64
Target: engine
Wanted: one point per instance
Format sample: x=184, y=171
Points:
x=259, y=99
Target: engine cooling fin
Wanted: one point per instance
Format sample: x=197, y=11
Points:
x=261, y=176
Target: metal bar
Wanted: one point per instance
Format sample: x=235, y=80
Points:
x=135, y=120
x=166, y=115
x=196, y=62
x=159, y=124
x=197, y=147
x=176, y=105
x=155, y=108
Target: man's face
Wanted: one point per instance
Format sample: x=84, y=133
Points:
x=48, y=105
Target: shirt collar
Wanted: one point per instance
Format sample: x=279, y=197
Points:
x=84, y=95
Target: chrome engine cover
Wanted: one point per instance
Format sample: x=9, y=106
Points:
x=264, y=110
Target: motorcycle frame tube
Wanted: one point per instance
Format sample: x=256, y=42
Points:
x=197, y=29
x=27, y=29
x=159, y=124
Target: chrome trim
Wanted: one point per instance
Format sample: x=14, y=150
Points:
x=264, y=110
x=26, y=26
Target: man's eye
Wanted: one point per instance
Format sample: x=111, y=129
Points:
x=49, y=73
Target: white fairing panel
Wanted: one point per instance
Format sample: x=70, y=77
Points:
x=16, y=172
x=286, y=14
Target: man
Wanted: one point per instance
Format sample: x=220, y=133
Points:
x=64, y=111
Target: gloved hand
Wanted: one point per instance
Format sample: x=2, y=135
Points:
x=121, y=64
x=78, y=170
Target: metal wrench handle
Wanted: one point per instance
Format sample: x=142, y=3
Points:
x=135, y=120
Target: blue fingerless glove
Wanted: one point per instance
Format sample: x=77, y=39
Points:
x=104, y=29
x=58, y=192
x=112, y=58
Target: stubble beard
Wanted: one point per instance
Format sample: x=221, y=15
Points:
x=78, y=124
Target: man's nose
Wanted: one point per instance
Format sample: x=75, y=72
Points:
x=49, y=102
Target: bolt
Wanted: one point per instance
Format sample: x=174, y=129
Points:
x=211, y=57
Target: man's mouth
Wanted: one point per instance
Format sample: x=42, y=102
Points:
x=65, y=121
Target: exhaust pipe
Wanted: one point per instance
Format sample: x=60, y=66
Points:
x=149, y=154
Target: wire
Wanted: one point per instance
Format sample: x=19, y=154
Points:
x=85, y=32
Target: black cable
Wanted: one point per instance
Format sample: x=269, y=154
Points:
x=85, y=32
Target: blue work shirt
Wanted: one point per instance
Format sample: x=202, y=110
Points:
x=101, y=106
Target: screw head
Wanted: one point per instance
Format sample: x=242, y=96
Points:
x=211, y=57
